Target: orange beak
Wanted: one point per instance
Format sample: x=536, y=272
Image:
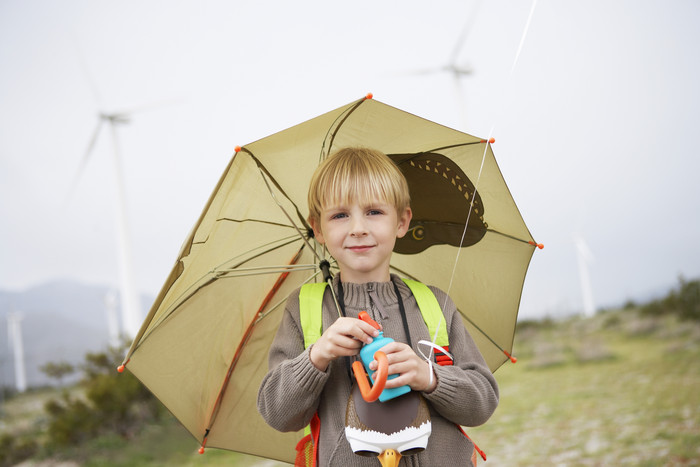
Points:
x=389, y=458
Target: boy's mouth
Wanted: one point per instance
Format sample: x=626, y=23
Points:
x=360, y=248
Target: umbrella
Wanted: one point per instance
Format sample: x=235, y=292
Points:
x=202, y=349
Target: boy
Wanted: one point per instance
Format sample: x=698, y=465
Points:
x=359, y=206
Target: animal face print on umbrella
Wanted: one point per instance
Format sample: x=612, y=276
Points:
x=441, y=194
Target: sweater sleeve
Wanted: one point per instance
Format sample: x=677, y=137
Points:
x=467, y=392
x=289, y=393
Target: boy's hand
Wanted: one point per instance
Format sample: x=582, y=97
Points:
x=412, y=369
x=343, y=338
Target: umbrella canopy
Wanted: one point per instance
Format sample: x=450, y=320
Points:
x=203, y=348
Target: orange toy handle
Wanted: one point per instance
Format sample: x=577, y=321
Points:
x=372, y=394
x=364, y=316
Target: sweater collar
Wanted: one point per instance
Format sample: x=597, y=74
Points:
x=358, y=295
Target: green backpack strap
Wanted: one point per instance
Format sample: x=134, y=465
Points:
x=311, y=317
x=311, y=311
x=431, y=311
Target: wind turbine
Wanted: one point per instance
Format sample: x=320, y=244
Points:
x=131, y=310
x=458, y=70
x=14, y=331
x=585, y=257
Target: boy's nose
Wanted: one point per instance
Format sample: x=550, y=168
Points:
x=358, y=228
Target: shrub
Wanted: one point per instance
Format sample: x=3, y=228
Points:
x=57, y=370
x=683, y=301
x=112, y=403
x=14, y=450
x=72, y=421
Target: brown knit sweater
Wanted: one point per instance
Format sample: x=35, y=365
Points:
x=293, y=389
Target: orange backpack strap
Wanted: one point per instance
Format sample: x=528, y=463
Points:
x=307, y=447
x=476, y=448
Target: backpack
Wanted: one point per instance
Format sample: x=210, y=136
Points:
x=311, y=315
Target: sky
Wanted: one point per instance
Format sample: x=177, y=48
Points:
x=592, y=110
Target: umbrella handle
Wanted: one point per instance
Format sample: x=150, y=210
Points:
x=372, y=394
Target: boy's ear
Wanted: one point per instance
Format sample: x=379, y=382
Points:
x=404, y=222
x=316, y=226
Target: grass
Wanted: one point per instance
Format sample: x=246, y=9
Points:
x=615, y=389
x=634, y=402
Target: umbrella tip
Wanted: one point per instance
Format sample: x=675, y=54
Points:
x=121, y=367
x=237, y=149
x=538, y=245
x=490, y=140
x=369, y=95
x=512, y=358
x=201, y=450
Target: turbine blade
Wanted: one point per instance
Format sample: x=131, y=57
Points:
x=127, y=113
x=464, y=35
x=85, y=159
x=86, y=72
x=422, y=71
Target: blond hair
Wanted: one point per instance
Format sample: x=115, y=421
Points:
x=357, y=175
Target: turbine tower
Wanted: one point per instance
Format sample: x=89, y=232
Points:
x=131, y=310
x=14, y=330
x=112, y=318
x=585, y=257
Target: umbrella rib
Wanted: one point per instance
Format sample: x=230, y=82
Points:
x=240, y=221
x=441, y=148
x=276, y=305
x=257, y=221
x=205, y=280
x=263, y=270
x=334, y=132
x=265, y=248
x=512, y=237
x=264, y=171
x=507, y=354
x=272, y=194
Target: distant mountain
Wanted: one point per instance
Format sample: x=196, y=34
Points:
x=61, y=321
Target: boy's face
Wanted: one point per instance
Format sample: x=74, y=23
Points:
x=361, y=238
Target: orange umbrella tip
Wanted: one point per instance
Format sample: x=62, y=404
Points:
x=490, y=140
x=237, y=149
x=201, y=450
x=538, y=245
x=120, y=368
x=512, y=358
x=369, y=95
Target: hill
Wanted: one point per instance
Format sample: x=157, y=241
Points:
x=61, y=321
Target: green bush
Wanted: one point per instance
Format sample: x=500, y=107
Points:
x=72, y=421
x=683, y=301
x=14, y=450
x=112, y=403
x=687, y=300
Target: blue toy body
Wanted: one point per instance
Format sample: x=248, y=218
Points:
x=367, y=355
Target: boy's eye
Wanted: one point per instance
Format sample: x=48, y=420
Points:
x=374, y=212
x=338, y=215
